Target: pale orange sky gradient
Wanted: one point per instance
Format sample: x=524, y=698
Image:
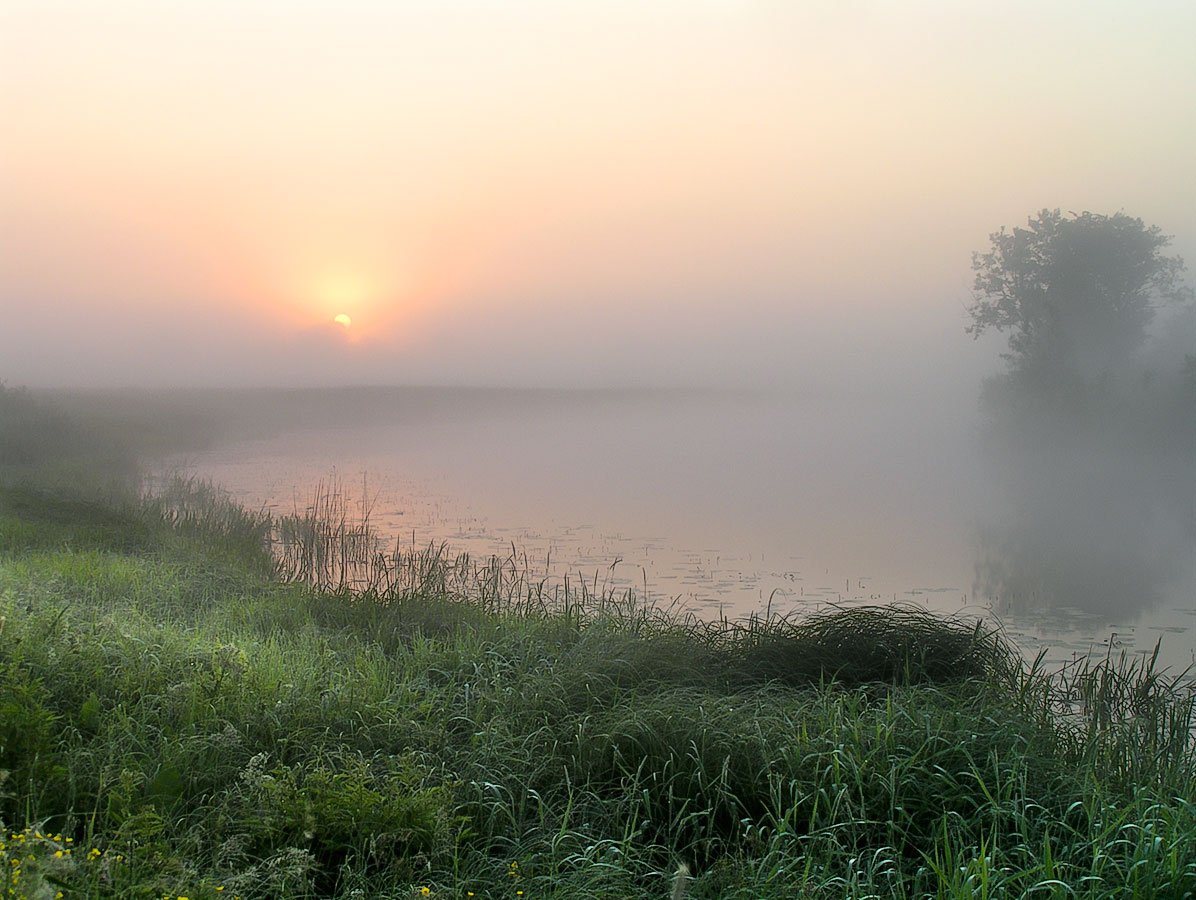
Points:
x=591, y=192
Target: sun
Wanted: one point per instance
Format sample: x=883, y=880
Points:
x=342, y=319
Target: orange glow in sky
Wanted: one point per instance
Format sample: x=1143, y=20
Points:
x=344, y=294
x=595, y=191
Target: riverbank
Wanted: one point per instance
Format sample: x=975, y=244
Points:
x=180, y=721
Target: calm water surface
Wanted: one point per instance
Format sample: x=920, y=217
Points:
x=727, y=504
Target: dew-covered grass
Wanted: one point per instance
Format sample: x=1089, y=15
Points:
x=183, y=715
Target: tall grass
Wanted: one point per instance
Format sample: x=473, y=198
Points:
x=190, y=724
x=327, y=545
x=207, y=519
x=215, y=727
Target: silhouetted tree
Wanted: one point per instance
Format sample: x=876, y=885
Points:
x=1091, y=430
x=1075, y=293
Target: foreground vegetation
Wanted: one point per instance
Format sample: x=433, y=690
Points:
x=183, y=715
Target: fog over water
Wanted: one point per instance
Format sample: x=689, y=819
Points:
x=732, y=502
x=681, y=285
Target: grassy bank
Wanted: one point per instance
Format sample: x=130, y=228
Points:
x=177, y=719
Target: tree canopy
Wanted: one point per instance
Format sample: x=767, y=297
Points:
x=1075, y=293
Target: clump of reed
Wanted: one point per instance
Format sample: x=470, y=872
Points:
x=332, y=545
x=206, y=517
x=327, y=544
x=1120, y=713
x=899, y=644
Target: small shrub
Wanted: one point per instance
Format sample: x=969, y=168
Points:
x=346, y=809
x=27, y=737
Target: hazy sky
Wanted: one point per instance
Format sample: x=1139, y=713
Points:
x=558, y=192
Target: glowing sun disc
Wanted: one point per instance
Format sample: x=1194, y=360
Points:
x=342, y=320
